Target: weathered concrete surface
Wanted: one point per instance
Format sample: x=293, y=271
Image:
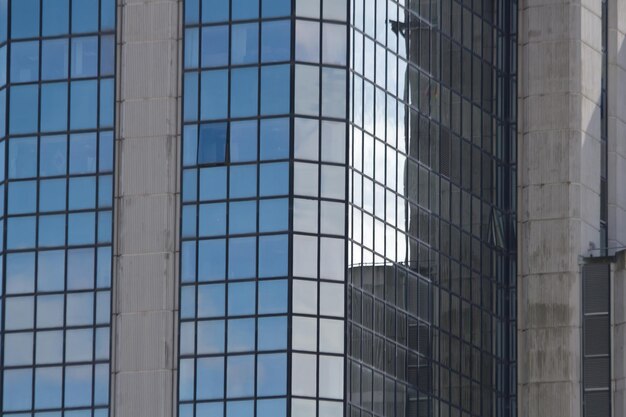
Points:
x=146, y=198
x=559, y=188
x=618, y=328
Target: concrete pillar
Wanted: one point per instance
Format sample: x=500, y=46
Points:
x=146, y=197
x=617, y=123
x=559, y=195
x=618, y=331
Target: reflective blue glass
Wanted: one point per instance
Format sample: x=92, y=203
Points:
x=3, y=65
x=276, y=41
x=272, y=375
x=243, y=181
x=213, y=409
x=210, y=378
x=105, y=152
x=48, y=383
x=82, y=193
x=53, y=107
x=54, y=59
x=192, y=46
x=271, y=408
x=276, y=8
x=215, y=10
x=241, y=335
x=244, y=92
x=211, y=337
x=242, y=217
x=105, y=220
x=245, y=45
x=240, y=376
x=107, y=55
x=55, y=147
x=21, y=232
x=80, y=269
x=24, y=19
x=85, y=16
x=240, y=409
x=241, y=299
x=190, y=145
x=274, y=139
x=83, y=104
x=4, y=19
x=107, y=14
x=22, y=157
x=213, y=183
x=81, y=228
x=52, y=230
x=212, y=220
x=211, y=260
x=272, y=333
x=52, y=195
x=17, y=389
x=77, y=386
x=211, y=300
x=83, y=153
x=20, y=273
x=24, y=61
x=192, y=11
x=242, y=258
x=84, y=57
x=245, y=9
x=273, y=297
x=212, y=143
x=243, y=141
x=107, y=102
x=22, y=197
x=186, y=382
x=214, y=46
x=187, y=303
x=189, y=221
x=273, y=256
x=274, y=179
x=214, y=95
x=275, y=90
x=188, y=262
x=55, y=17
x=191, y=97
x=105, y=191
x=23, y=110
x=273, y=215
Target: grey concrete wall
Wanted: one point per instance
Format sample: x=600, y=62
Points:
x=146, y=198
x=617, y=123
x=618, y=329
x=558, y=196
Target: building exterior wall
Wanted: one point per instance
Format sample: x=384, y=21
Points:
x=559, y=196
x=147, y=210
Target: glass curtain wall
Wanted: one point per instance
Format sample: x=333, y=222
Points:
x=432, y=261
x=57, y=62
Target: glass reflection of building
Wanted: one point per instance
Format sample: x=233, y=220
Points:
x=57, y=61
x=427, y=108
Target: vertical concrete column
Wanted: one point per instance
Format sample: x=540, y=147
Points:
x=559, y=195
x=618, y=327
x=147, y=187
x=617, y=123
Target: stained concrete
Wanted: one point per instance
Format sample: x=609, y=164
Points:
x=144, y=355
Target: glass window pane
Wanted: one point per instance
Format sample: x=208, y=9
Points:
x=245, y=9
x=84, y=103
x=243, y=141
x=304, y=297
x=211, y=337
x=241, y=334
x=241, y=299
x=307, y=90
x=335, y=10
x=332, y=219
x=303, y=408
x=21, y=232
x=240, y=376
x=190, y=96
x=78, y=345
x=332, y=251
x=276, y=8
x=84, y=57
x=212, y=220
x=81, y=228
x=303, y=375
x=214, y=46
x=186, y=380
x=84, y=16
x=245, y=47
x=274, y=139
x=192, y=48
x=272, y=375
x=210, y=379
x=333, y=182
x=50, y=311
x=19, y=313
x=242, y=217
x=22, y=157
x=24, y=107
x=308, y=8
x=304, y=333
x=273, y=215
x=24, y=61
x=306, y=179
x=275, y=89
x=273, y=298
x=243, y=181
x=214, y=95
x=18, y=349
x=331, y=299
x=211, y=260
x=272, y=333
x=55, y=17
x=22, y=197
x=244, y=92
x=212, y=143
x=334, y=44
x=79, y=309
x=332, y=336
x=215, y=10
x=54, y=59
x=273, y=254
x=55, y=149
x=307, y=41
x=80, y=269
x=20, y=272
x=334, y=92
x=213, y=183
x=331, y=377
x=48, y=383
x=334, y=142
x=53, y=107
x=24, y=18
x=276, y=41
x=271, y=408
x=51, y=270
x=107, y=55
x=17, y=391
x=306, y=139
x=83, y=153
x=211, y=300
x=242, y=258
x=305, y=215
x=77, y=386
x=52, y=230
x=49, y=348
x=274, y=179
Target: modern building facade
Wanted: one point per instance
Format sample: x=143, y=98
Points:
x=312, y=208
